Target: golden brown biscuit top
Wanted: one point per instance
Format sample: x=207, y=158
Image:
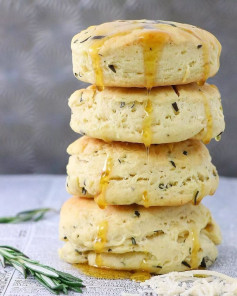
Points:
x=140, y=29
x=107, y=38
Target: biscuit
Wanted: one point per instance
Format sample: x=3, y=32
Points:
x=120, y=173
x=158, y=239
x=176, y=113
x=144, y=54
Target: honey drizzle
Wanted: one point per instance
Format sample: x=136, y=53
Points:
x=100, y=241
x=101, y=236
x=94, y=53
x=145, y=199
x=98, y=260
x=152, y=50
x=151, y=54
x=195, y=249
x=100, y=199
x=95, y=56
x=206, y=63
x=107, y=273
x=209, y=119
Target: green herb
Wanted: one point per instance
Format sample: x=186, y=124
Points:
x=158, y=266
x=185, y=153
x=195, y=197
x=75, y=41
x=122, y=104
x=175, y=106
x=78, y=252
x=119, y=160
x=109, y=250
x=65, y=237
x=162, y=186
x=85, y=39
x=218, y=137
x=112, y=68
x=77, y=74
x=175, y=90
x=203, y=263
x=83, y=190
x=137, y=213
x=31, y=215
x=133, y=105
x=199, y=46
x=98, y=37
x=173, y=164
x=159, y=232
x=186, y=264
x=54, y=280
x=133, y=241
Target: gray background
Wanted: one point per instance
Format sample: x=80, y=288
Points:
x=36, y=73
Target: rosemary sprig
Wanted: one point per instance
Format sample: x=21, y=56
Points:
x=53, y=280
x=31, y=215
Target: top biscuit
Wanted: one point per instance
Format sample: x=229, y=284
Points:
x=144, y=53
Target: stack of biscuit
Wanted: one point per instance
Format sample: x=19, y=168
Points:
x=141, y=169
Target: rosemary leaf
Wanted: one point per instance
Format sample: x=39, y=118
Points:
x=54, y=280
x=31, y=215
x=2, y=260
x=40, y=269
x=20, y=268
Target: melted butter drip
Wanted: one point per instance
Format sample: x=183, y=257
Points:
x=195, y=249
x=209, y=132
x=101, y=238
x=104, y=181
x=145, y=199
x=146, y=130
x=105, y=273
